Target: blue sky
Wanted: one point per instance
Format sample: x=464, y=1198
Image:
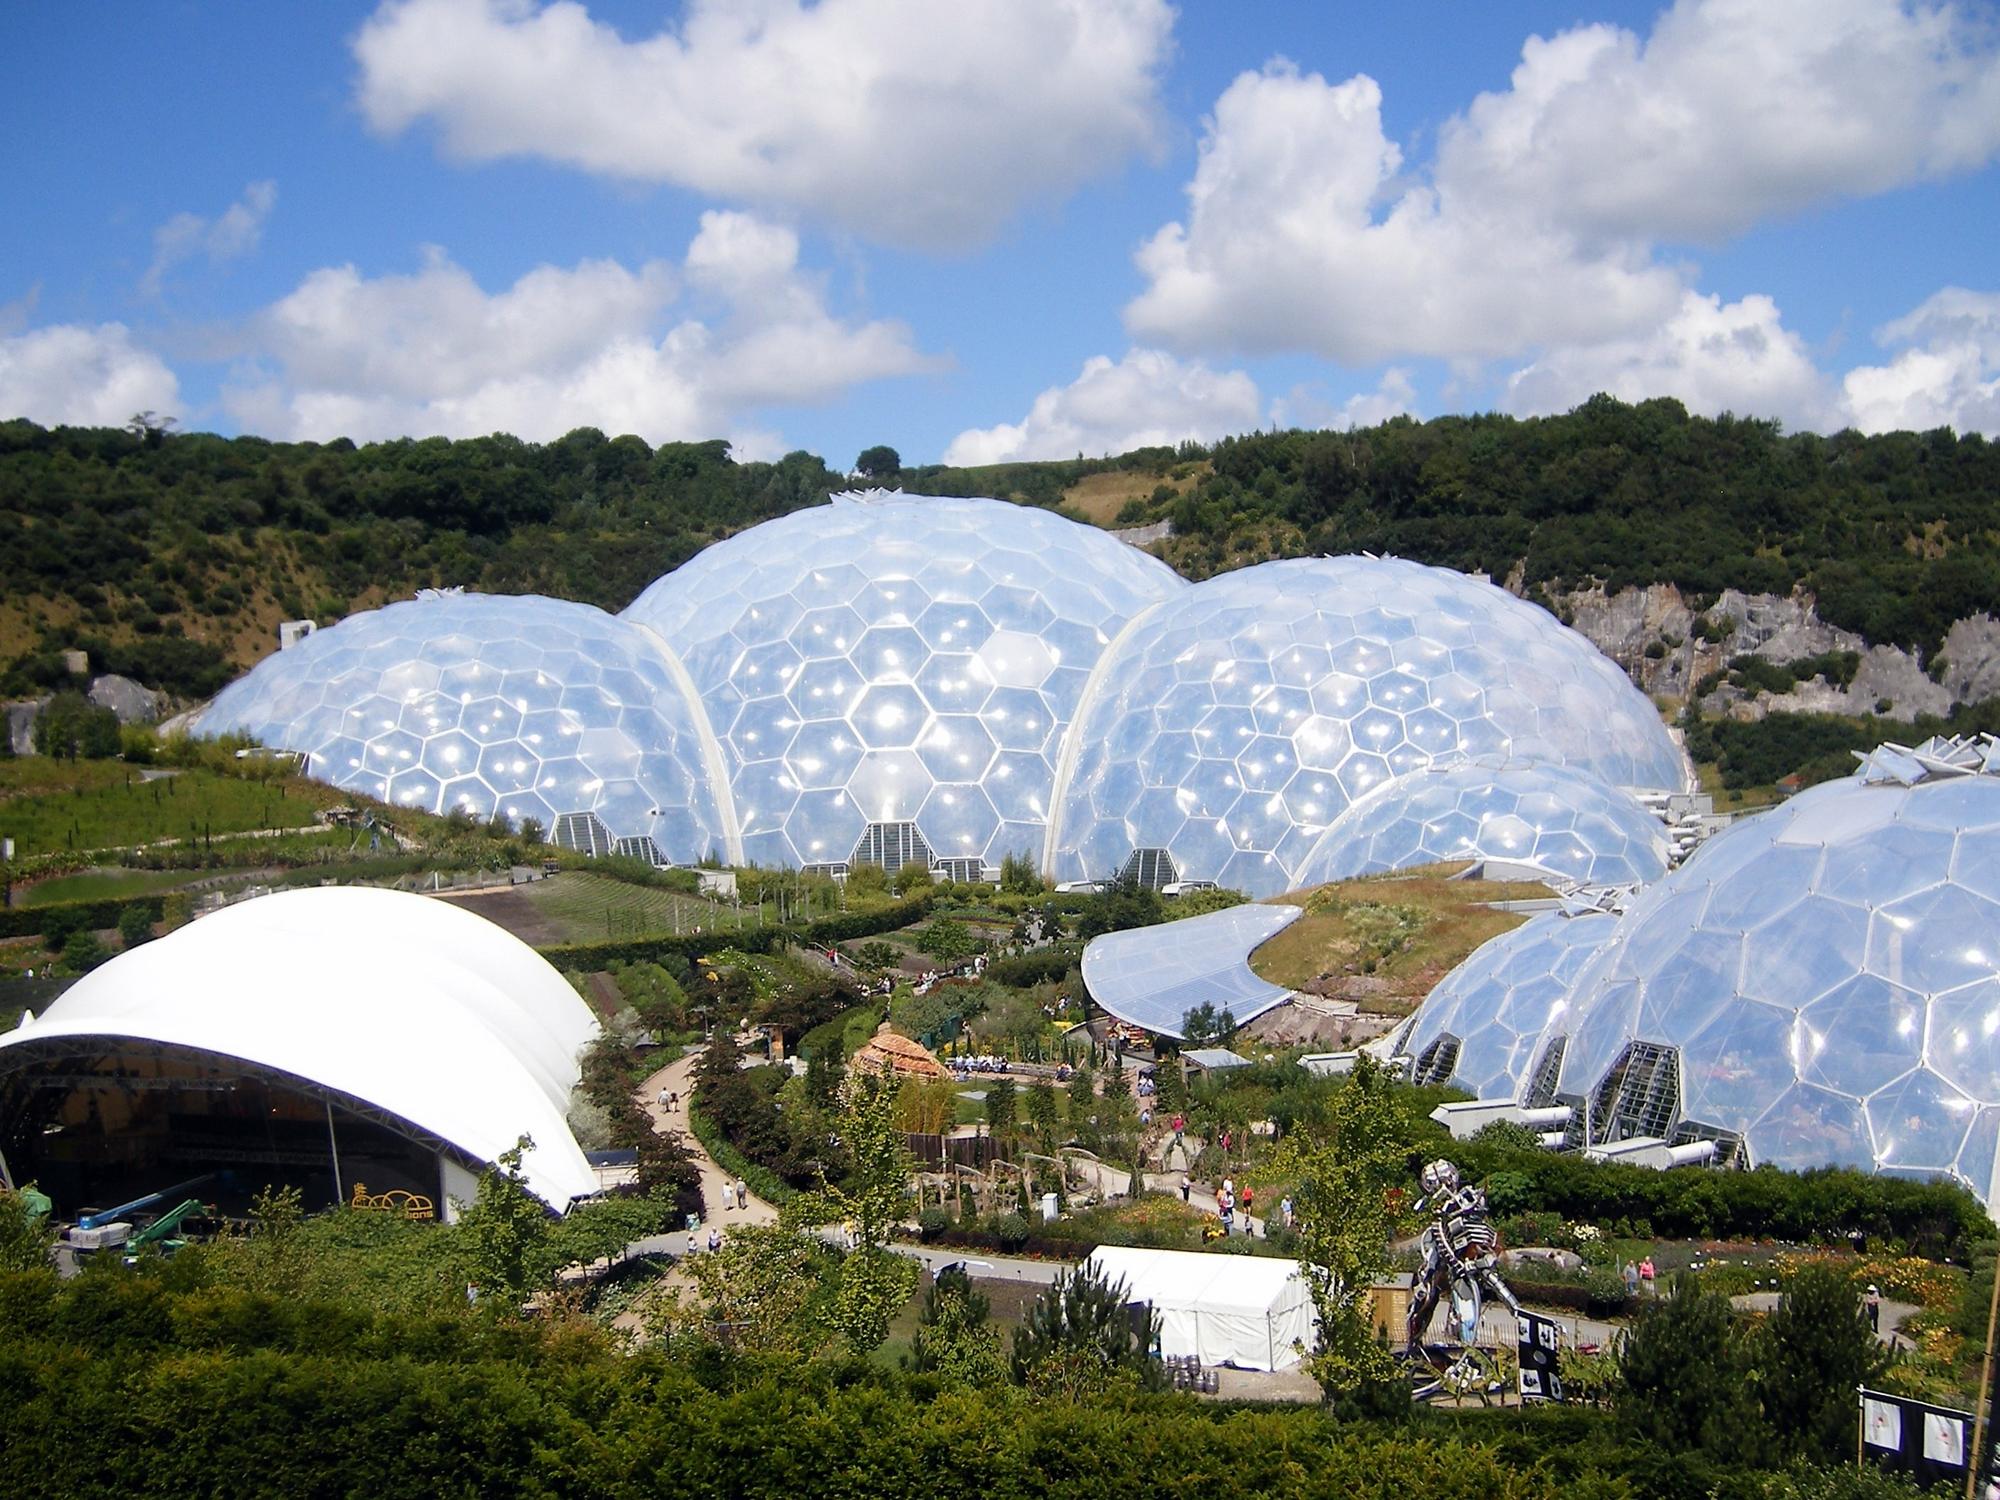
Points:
x=996, y=229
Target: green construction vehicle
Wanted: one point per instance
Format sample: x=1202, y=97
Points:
x=161, y=1231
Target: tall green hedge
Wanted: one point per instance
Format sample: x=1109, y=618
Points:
x=165, y=1383
x=762, y=939
x=67, y=916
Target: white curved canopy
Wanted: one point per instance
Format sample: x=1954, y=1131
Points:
x=1153, y=976
x=413, y=1005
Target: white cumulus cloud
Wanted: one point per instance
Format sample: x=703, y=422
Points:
x=1945, y=373
x=1711, y=355
x=68, y=374
x=1147, y=399
x=1540, y=224
x=229, y=235
x=601, y=345
x=1733, y=111
x=1303, y=234
x=903, y=120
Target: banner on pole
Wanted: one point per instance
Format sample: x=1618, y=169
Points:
x=1930, y=1443
x=1540, y=1349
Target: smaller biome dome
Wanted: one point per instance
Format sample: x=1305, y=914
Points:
x=1481, y=1028
x=898, y=662
x=404, y=1003
x=514, y=705
x=1231, y=729
x=1561, y=823
x=1820, y=981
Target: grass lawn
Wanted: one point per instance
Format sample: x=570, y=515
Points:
x=106, y=885
x=592, y=908
x=48, y=806
x=1404, y=929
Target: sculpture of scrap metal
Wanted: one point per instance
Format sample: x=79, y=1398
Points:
x=1460, y=1253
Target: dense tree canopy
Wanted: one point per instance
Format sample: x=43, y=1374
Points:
x=171, y=555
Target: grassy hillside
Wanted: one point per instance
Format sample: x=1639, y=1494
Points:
x=1386, y=939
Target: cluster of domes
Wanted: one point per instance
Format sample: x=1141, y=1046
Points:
x=1819, y=983
x=894, y=677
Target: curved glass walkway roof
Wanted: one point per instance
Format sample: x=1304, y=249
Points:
x=1153, y=976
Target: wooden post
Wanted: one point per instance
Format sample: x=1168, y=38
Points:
x=1985, y=1390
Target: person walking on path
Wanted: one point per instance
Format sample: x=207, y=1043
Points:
x=1285, y=1211
x=742, y=1193
x=1873, y=1301
x=1631, y=1274
x=1646, y=1277
x=728, y=1196
x=714, y=1240
x=1186, y=1187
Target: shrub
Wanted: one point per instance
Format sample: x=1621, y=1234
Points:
x=932, y=1222
x=1011, y=1230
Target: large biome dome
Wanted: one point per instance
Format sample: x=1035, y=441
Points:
x=1232, y=728
x=900, y=662
x=1549, y=820
x=1820, y=982
x=1481, y=1027
x=517, y=705
x=896, y=678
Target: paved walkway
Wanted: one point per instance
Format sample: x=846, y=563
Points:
x=678, y=1077
x=1893, y=1314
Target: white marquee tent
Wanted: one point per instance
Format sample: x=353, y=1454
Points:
x=1249, y=1311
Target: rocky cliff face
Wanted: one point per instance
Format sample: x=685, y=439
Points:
x=1669, y=649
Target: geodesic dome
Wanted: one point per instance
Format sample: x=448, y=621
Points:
x=898, y=661
x=1564, y=823
x=521, y=705
x=1482, y=1025
x=1231, y=729
x=1821, y=981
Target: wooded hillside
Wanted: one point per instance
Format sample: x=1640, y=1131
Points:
x=171, y=557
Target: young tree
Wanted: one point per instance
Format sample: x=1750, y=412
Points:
x=874, y=1282
x=1079, y=1337
x=135, y=925
x=926, y=1106
x=1198, y=1025
x=1000, y=1108
x=1042, y=1111
x=954, y=1339
x=1351, y=1167
x=1814, y=1350
x=508, y=1231
x=826, y=1071
x=27, y=1239
x=764, y=1292
x=1684, y=1376
x=82, y=952
x=1018, y=875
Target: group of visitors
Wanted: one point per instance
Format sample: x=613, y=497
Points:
x=735, y=1195
x=670, y=1100
x=1640, y=1276
x=1227, y=1201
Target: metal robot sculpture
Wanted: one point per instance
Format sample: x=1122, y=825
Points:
x=1460, y=1253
